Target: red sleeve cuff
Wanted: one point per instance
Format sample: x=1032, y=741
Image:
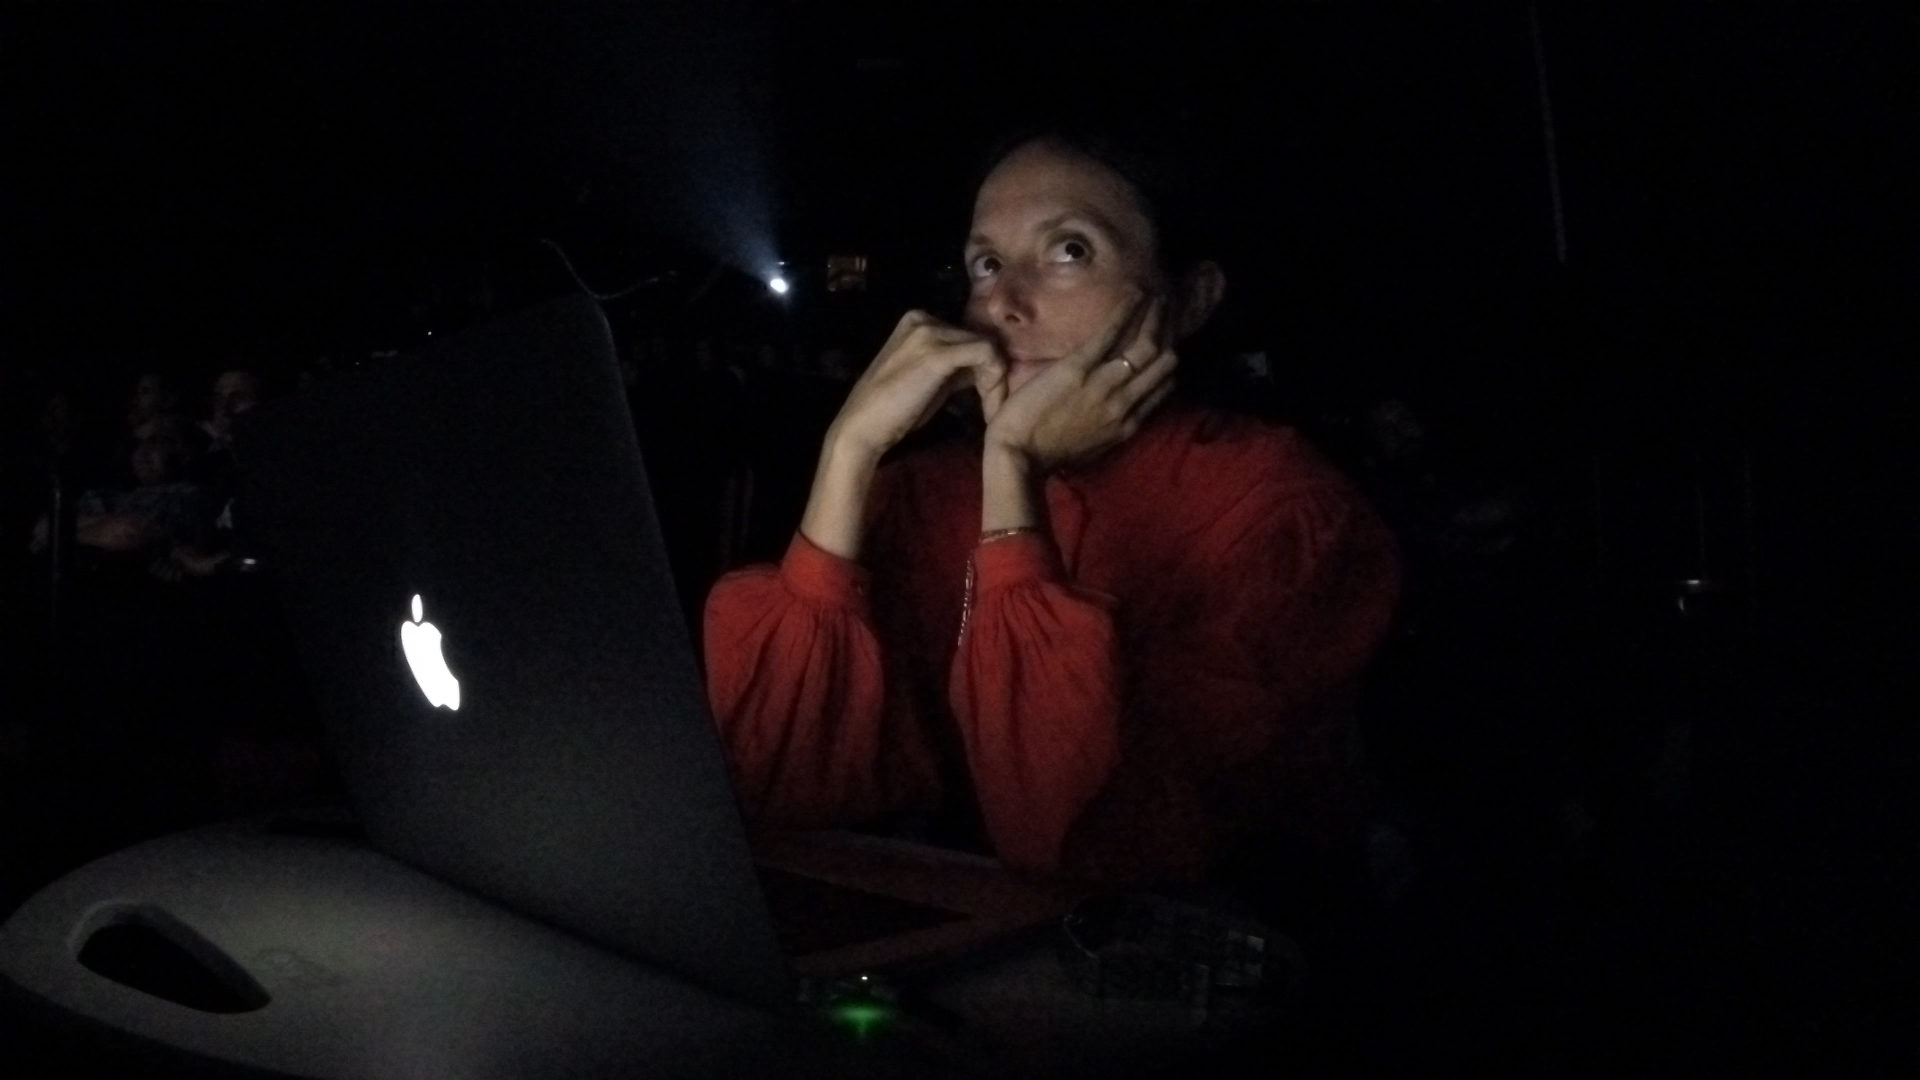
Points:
x=822, y=576
x=1016, y=560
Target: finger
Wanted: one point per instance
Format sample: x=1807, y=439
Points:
x=969, y=367
x=916, y=319
x=1152, y=379
x=1123, y=319
x=945, y=348
x=1140, y=348
x=909, y=322
x=1111, y=376
x=955, y=382
x=991, y=375
x=919, y=323
x=1138, y=376
x=1145, y=406
x=1162, y=357
x=1145, y=344
x=971, y=360
x=949, y=335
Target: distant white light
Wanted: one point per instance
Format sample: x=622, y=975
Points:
x=778, y=285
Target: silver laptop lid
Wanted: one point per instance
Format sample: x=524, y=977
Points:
x=484, y=505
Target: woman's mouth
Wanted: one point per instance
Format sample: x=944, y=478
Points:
x=1018, y=364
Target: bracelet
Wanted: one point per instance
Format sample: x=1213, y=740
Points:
x=966, y=596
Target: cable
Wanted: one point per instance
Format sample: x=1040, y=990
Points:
x=584, y=287
x=1548, y=136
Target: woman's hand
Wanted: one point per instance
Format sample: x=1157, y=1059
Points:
x=923, y=364
x=1083, y=404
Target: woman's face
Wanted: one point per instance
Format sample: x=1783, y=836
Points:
x=1058, y=241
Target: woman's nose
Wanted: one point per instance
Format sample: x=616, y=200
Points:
x=1009, y=299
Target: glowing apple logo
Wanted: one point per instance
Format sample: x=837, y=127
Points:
x=421, y=642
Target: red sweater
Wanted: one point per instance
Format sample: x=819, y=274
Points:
x=1168, y=669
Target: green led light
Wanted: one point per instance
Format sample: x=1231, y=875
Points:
x=862, y=1016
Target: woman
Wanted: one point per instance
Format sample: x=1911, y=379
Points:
x=1117, y=634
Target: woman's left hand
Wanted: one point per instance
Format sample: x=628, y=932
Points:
x=1083, y=404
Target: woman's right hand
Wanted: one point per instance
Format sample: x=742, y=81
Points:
x=923, y=363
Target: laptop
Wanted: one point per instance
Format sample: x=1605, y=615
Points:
x=470, y=564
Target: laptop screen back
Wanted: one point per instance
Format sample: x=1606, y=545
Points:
x=470, y=562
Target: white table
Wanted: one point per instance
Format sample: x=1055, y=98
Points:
x=374, y=970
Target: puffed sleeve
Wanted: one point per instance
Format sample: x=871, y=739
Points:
x=797, y=678
x=1224, y=713
x=1035, y=689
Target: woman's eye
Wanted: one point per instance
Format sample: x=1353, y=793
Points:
x=983, y=266
x=1071, y=250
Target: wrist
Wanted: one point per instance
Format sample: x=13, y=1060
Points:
x=1005, y=465
x=997, y=454
x=835, y=515
x=1009, y=487
x=847, y=449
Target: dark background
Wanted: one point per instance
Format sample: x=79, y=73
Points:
x=208, y=184
x=1709, y=381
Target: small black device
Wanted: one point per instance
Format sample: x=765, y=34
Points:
x=1145, y=947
